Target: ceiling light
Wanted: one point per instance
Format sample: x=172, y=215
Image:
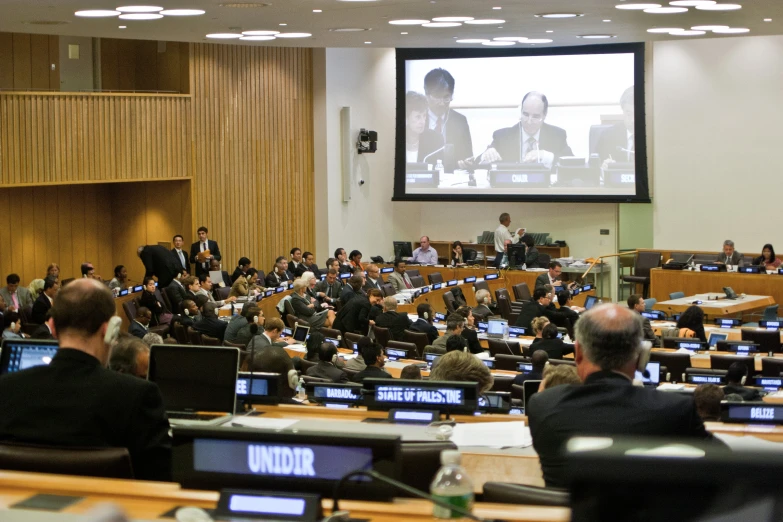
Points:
x=364, y=42
x=666, y=10
x=719, y=7
x=664, y=29
x=558, y=15
x=550, y=31
x=260, y=33
x=259, y=38
x=282, y=25
x=224, y=36
x=637, y=6
x=687, y=33
x=317, y=11
x=486, y=21
x=139, y=9
x=497, y=8
x=348, y=30
x=510, y=39
x=403, y=33
x=293, y=35
x=123, y=27
x=141, y=16
x=732, y=30
x=497, y=44
x=182, y=12
x=96, y=13
x=708, y=27
x=408, y=22
x=607, y=20
x=441, y=25
x=472, y=41
x=691, y=3
x=537, y=41
x=768, y=19
x=596, y=36
x=244, y=5
x=452, y=19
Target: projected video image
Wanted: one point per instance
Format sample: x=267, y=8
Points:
x=554, y=125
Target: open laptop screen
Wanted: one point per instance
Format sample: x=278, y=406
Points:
x=590, y=301
x=19, y=354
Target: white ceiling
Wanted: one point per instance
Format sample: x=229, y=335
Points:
x=628, y=26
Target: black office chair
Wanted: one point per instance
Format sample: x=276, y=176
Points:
x=309, y=379
x=194, y=336
x=771, y=367
x=450, y=302
x=382, y=335
x=305, y=364
x=522, y=292
x=562, y=362
x=417, y=281
x=645, y=261
x=544, y=260
x=435, y=277
x=421, y=462
x=499, y=346
x=351, y=337
x=506, y=493
x=506, y=311
x=502, y=383
x=410, y=348
x=508, y=362
x=330, y=332
x=480, y=285
x=469, y=255
x=180, y=333
x=412, y=272
x=61, y=460
x=676, y=363
x=207, y=340
x=768, y=340
x=387, y=289
x=419, y=339
x=723, y=362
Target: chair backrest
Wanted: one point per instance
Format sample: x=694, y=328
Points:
x=291, y=321
x=387, y=289
x=435, y=277
x=499, y=346
x=649, y=303
x=419, y=339
x=222, y=292
x=771, y=367
x=522, y=292
x=449, y=301
x=309, y=379
x=771, y=313
x=504, y=306
x=129, y=307
x=544, y=260
x=417, y=281
x=166, y=301
x=676, y=295
x=676, y=363
x=646, y=261
x=502, y=382
x=208, y=340
x=412, y=272
x=505, y=493
x=420, y=462
x=91, y=462
x=235, y=345
x=681, y=257
x=288, y=307
x=306, y=364
x=331, y=332
x=180, y=333
x=411, y=348
x=506, y=361
x=517, y=392
x=352, y=337
x=382, y=335
x=768, y=340
x=722, y=362
x=480, y=285
x=502, y=292
x=469, y=254
x=194, y=336
x=562, y=362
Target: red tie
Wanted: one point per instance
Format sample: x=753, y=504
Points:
x=407, y=283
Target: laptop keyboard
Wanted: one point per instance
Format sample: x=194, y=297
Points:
x=195, y=416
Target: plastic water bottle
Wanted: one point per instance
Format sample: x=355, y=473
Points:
x=452, y=485
x=439, y=168
x=300, y=390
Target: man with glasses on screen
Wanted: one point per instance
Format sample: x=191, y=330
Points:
x=446, y=136
x=531, y=140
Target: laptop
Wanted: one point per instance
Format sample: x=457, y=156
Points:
x=497, y=329
x=654, y=370
x=19, y=354
x=715, y=337
x=198, y=383
x=301, y=333
x=590, y=302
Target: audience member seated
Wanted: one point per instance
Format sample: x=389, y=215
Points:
x=120, y=280
x=461, y=366
x=424, y=323
x=373, y=279
x=457, y=255
x=352, y=289
x=555, y=348
x=205, y=281
x=557, y=376
x=243, y=265
x=469, y=331
x=729, y=256
x=330, y=289
x=608, y=348
x=531, y=252
x=152, y=338
x=537, y=326
x=149, y=300
x=255, y=321
x=43, y=303
x=45, y=331
x=767, y=258
x=326, y=367
x=88, y=272
x=373, y=356
x=35, y=288
x=244, y=284
x=355, y=260
x=535, y=308
x=279, y=273
x=53, y=270
x=16, y=297
x=274, y=359
x=190, y=313
x=332, y=263
x=305, y=306
x=455, y=323
x=130, y=356
x=313, y=350
x=540, y=361
x=357, y=363
x=210, y=324
x=399, y=279
x=707, y=398
x=735, y=380
x=309, y=264
x=12, y=326
x=238, y=322
x=486, y=307
x=411, y=372
x=396, y=322
x=636, y=303
x=269, y=336
x=552, y=277
x=296, y=266
x=355, y=316
x=425, y=254
x=214, y=266
x=567, y=307
x=691, y=324
x=342, y=261
x=141, y=323
x=77, y=401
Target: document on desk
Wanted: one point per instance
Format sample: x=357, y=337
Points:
x=297, y=348
x=260, y=423
x=492, y=435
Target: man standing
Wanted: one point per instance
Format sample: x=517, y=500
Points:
x=503, y=238
x=16, y=297
x=607, y=353
x=636, y=303
x=198, y=251
x=77, y=401
x=425, y=254
x=160, y=262
x=44, y=302
x=181, y=255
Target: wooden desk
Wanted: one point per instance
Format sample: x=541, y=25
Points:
x=149, y=500
x=443, y=248
x=734, y=334
x=719, y=308
x=702, y=359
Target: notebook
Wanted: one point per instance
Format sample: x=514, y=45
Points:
x=198, y=383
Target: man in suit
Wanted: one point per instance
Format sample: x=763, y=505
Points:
x=177, y=291
x=636, y=303
x=539, y=360
x=130, y=356
x=484, y=300
x=531, y=140
x=607, y=354
x=399, y=279
x=396, y=322
x=45, y=299
x=734, y=377
x=325, y=369
x=373, y=279
x=159, y=262
x=296, y=266
x=445, y=127
x=140, y=324
x=330, y=288
x=455, y=323
x=555, y=348
x=269, y=336
x=541, y=305
x=16, y=297
x=552, y=277
x=180, y=255
x=373, y=356
x=77, y=401
x=210, y=324
x=308, y=265
x=729, y=255
x=202, y=245
x=352, y=289
x=355, y=316
x=243, y=265
x=568, y=309
x=280, y=273
x=45, y=331
x=616, y=144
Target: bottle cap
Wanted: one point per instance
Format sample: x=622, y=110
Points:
x=448, y=457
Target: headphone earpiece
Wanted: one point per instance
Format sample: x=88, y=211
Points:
x=186, y=312
x=112, y=330
x=255, y=320
x=742, y=381
x=293, y=379
x=426, y=316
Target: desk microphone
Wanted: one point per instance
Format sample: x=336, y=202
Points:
x=448, y=149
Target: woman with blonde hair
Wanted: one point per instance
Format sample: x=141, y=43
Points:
x=462, y=366
x=305, y=306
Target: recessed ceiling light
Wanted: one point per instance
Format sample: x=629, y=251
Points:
x=687, y=33
x=719, y=7
x=666, y=10
x=408, y=22
x=141, y=16
x=224, y=36
x=664, y=30
x=472, y=40
x=317, y=11
x=139, y=9
x=732, y=30
x=497, y=44
x=282, y=25
x=550, y=31
x=96, y=13
x=403, y=33
x=452, y=19
x=537, y=41
x=244, y=5
x=607, y=20
x=708, y=27
x=441, y=25
x=260, y=33
x=364, y=42
x=558, y=15
x=259, y=38
x=182, y=12
x=510, y=38
x=123, y=27
x=486, y=21
x=768, y=19
x=497, y=8
x=293, y=35
x=636, y=6
x=691, y=3
x=596, y=36
x=348, y=30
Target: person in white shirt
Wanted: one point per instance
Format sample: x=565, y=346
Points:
x=503, y=238
x=425, y=254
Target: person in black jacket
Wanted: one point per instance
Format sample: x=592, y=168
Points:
x=539, y=360
x=355, y=316
x=555, y=348
x=734, y=377
x=540, y=305
x=76, y=401
x=607, y=352
x=373, y=356
x=210, y=324
x=159, y=262
x=469, y=332
x=326, y=368
x=243, y=265
x=203, y=244
x=43, y=303
x=424, y=323
x=396, y=322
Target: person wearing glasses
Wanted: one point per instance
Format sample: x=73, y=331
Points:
x=446, y=135
x=532, y=140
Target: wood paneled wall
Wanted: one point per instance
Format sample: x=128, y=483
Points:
x=140, y=65
x=26, y=59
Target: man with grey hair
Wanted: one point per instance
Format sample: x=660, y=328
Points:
x=152, y=338
x=455, y=323
x=607, y=351
x=130, y=356
x=729, y=256
x=484, y=300
x=396, y=322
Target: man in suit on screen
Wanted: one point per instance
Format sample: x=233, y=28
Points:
x=616, y=144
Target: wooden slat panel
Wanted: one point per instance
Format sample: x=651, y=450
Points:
x=22, y=61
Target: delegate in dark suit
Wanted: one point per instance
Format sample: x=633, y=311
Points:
x=471, y=336
x=195, y=248
x=160, y=262
x=211, y=326
x=273, y=279
x=507, y=142
x=520, y=379
x=396, y=322
x=40, y=307
x=456, y=133
x=422, y=326
x=354, y=316
x=177, y=294
x=613, y=142
x=606, y=404
x=183, y=261
x=371, y=372
x=649, y=333
x=74, y=401
x=554, y=348
x=327, y=370
x=542, y=280
x=137, y=329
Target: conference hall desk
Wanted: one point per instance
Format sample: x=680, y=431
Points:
x=734, y=334
x=720, y=307
x=702, y=359
x=150, y=500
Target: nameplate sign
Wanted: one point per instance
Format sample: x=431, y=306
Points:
x=490, y=277
x=728, y=323
x=705, y=379
x=387, y=270
x=518, y=179
x=471, y=279
x=753, y=413
x=453, y=282
x=437, y=286
x=770, y=383
x=692, y=346
x=770, y=325
x=443, y=396
x=713, y=268
x=335, y=393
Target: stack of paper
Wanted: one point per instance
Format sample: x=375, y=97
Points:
x=492, y=435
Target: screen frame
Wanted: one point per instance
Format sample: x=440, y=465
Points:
x=642, y=173
x=5, y=353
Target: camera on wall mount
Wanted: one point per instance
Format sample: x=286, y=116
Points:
x=368, y=141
